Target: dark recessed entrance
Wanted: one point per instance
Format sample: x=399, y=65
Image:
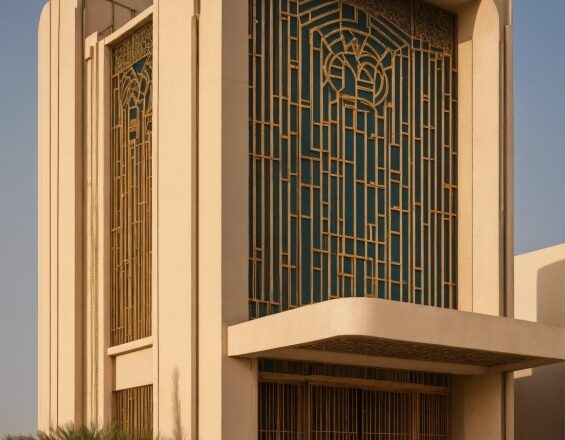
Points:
x=371, y=404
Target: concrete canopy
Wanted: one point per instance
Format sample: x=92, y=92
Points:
x=389, y=334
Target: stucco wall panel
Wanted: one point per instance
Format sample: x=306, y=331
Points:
x=174, y=191
x=477, y=408
x=133, y=369
x=44, y=232
x=540, y=297
x=223, y=227
x=487, y=252
x=60, y=208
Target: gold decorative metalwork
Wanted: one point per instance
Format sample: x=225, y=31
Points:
x=134, y=48
x=428, y=23
x=132, y=410
x=353, y=153
x=130, y=190
x=434, y=26
x=323, y=407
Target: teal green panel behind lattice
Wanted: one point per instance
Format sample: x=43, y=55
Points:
x=353, y=153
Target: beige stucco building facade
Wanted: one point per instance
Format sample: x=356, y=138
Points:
x=540, y=297
x=162, y=230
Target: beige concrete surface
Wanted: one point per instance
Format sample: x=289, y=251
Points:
x=105, y=16
x=488, y=226
x=477, y=408
x=395, y=321
x=484, y=186
x=44, y=221
x=227, y=386
x=133, y=369
x=540, y=286
x=60, y=213
x=174, y=232
x=540, y=297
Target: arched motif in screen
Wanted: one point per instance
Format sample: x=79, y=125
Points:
x=130, y=189
x=353, y=157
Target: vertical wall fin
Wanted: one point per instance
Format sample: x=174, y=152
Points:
x=44, y=212
x=175, y=180
x=61, y=251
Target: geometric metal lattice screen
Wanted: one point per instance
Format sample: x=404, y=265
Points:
x=132, y=410
x=130, y=187
x=296, y=411
x=353, y=153
x=325, y=407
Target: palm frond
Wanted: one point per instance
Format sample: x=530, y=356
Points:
x=73, y=432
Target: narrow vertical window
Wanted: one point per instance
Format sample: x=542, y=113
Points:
x=130, y=187
x=133, y=410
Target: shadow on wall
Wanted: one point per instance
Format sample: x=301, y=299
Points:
x=551, y=294
x=540, y=397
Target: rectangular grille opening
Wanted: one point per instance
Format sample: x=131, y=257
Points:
x=132, y=410
x=131, y=187
x=323, y=407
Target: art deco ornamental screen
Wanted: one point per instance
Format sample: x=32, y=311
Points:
x=353, y=152
x=130, y=189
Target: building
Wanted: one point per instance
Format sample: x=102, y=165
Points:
x=280, y=219
x=540, y=297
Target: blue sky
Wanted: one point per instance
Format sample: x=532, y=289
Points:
x=540, y=175
x=539, y=87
